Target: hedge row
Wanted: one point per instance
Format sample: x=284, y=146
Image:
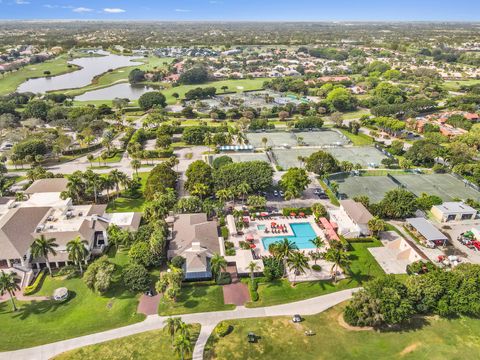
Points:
x=252, y=289
x=306, y=211
x=34, y=287
x=81, y=151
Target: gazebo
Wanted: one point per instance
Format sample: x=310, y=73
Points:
x=60, y=294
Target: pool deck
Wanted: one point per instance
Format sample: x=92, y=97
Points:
x=259, y=251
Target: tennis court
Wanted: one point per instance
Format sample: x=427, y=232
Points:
x=374, y=187
x=367, y=156
x=242, y=157
x=322, y=138
x=275, y=139
x=445, y=186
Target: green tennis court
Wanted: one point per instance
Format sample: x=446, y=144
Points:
x=445, y=186
x=374, y=187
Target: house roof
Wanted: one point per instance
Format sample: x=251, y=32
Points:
x=17, y=227
x=356, y=211
x=47, y=185
x=426, y=229
x=457, y=207
x=189, y=228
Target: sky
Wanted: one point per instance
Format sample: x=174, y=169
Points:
x=238, y=10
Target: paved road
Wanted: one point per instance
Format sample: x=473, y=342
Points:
x=208, y=322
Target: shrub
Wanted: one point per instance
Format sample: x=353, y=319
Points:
x=99, y=275
x=287, y=211
x=141, y=253
x=244, y=245
x=273, y=268
x=225, y=232
x=223, y=329
x=252, y=289
x=224, y=279
x=36, y=284
x=136, y=278
x=316, y=267
x=178, y=261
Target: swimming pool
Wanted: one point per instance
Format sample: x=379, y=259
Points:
x=303, y=234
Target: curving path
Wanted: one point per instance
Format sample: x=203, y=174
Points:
x=207, y=320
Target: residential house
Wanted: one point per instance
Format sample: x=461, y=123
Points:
x=351, y=218
x=196, y=239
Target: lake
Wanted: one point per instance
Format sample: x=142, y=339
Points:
x=90, y=67
x=123, y=90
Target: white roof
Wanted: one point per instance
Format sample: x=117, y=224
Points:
x=455, y=208
x=51, y=199
x=120, y=219
x=426, y=229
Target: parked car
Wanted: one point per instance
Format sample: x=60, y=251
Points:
x=275, y=193
x=282, y=194
x=296, y=318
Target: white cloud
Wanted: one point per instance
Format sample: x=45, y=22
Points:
x=113, y=10
x=82, y=10
x=49, y=6
x=22, y=2
x=182, y=10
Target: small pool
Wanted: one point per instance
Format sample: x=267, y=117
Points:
x=303, y=234
x=261, y=227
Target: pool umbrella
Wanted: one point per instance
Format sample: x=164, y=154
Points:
x=250, y=237
x=252, y=246
x=302, y=214
x=273, y=223
x=293, y=214
x=264, y=214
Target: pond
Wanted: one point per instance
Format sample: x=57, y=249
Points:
x=90, y=67
x=123, y=90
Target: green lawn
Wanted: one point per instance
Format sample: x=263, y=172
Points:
x=429, y=338
x=110, y=78
x=10, y=81
x=41, y=322
x=154, y=344
x=355, y=114
x=123, y=204
x=195, y=297
x=363, y=267
x=454, y=85
x=113, y=159
x=359, y=139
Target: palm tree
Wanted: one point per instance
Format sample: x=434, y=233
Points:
x=251, y=268
x=243, y=190
x=8, y=285
x=77, y=251
x=319, y=243
x=182, y=346
x=90, y=159
x=172, y=324
x=218, y=264
x=107, y=184
x=298, y=263
x=75, y=185
x=117, y=177
x=135, y=164
x=339, y=258
x=283, y=249
x=42, y=247
x=375, y=225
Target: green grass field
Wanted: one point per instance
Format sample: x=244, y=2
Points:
x=454, y=85
x=41, y=322
x=123, y=204
x=111, y=78
x=195, y=297
x=429, y=338
x=359, y=139
x=10, y=81
x=363, y=268
x=154, y=344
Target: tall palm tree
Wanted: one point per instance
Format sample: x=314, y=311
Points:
x=298, y=263
x=283, y=249
x=218, y=264
x=118, y=178
x=339, y=258
x=75, y=185
x=8, y=285
x=251, y=268
x=243, y=189
x=135, y=164
x=77, y=251
x=182, y=346
x=200, y=190
x=172, y=324
x=318, y=242
x=42, y=247
x=107, y=184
